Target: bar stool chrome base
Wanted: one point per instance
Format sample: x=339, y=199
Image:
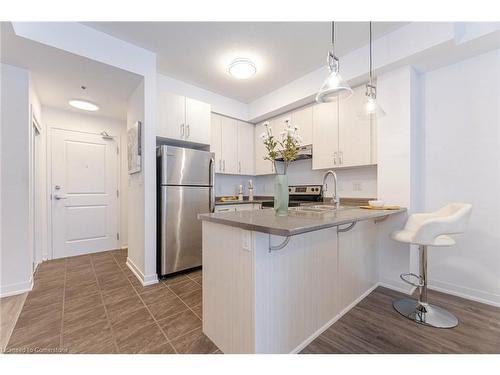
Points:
x=429, y=315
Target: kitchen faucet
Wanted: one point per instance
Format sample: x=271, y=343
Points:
x=336, y=200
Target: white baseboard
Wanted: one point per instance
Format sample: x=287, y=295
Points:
x=125, y=246
x=333, y=320
x=464, y=292
x=144, y=279
x=18, y=288
x=397, y=285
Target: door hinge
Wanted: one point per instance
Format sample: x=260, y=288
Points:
x=118, y=236
x=118, y=193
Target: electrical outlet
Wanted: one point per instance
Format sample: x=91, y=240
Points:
x=357, y=186
x=246, y=240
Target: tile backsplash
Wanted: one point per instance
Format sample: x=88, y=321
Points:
x=360, y=182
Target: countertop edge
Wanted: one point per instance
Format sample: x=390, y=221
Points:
x=287, y=233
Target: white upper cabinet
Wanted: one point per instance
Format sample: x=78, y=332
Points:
x=216, y=140
x=278, y=124
x=197, y=121
x=232, y=142
x=245, y=148
x=171, y=115
x=262, y=166
x=229, y=146
x=183, y=118
x=303, y=118
x=325, y=135
x=355, y=135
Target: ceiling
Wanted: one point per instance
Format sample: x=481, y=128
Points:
x=58, y=76
x=198, y=52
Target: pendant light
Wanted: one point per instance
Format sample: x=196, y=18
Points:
x=334, y=87
x=371, y=106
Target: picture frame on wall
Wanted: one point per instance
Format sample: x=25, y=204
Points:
x=134, y=152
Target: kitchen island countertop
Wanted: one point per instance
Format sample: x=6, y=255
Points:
x=297, y=222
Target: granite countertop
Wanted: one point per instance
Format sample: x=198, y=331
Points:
x=297, y=222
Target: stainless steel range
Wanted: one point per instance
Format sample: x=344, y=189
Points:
x=301, y=194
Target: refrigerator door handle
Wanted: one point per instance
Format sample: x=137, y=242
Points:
x=212, y=184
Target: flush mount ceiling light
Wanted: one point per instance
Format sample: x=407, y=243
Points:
x=371, y=106
x=334, y=87
x=83, y=104
x=242, y=68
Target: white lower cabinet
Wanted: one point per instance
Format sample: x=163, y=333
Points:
x=357, y=261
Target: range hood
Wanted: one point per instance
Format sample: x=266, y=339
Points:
x=305, y=152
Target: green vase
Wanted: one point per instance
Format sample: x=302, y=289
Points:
x=281, y=195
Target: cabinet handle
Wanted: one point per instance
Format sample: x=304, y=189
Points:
x=182, y=130
x=341, y=154
x=187, y=131
x=224, y=164
x=220, y=165
x=239, y=166
x=334, y=158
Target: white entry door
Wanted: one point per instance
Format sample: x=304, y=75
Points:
x=84, y=193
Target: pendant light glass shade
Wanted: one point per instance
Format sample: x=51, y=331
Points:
x=334, y=87
x=372, y=108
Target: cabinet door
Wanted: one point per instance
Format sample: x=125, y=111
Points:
x=262, y=166
x=303, y=118
x=357, y=261
x=197, y=121
x=245, y=148
x=278, y=124
x=325, y=135
x=229, y=146
x=171, y=112
x=216, y=140
x=354, y=131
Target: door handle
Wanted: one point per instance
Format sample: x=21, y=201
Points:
x=58, y=197
x=220, y=165
x=224, y=164
x=182, y=130
x=239, y=166
x=341, y=155
x=187, y=131
x=334, y=158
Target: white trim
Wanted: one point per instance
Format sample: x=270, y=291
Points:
x=124, y=246
x=398, y=286
x=464, y=292
x=333, y=320
x=144, y=279
x=18, y=288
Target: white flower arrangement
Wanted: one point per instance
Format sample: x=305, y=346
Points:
x=285, y=147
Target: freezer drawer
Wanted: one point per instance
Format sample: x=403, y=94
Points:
x=180, y=241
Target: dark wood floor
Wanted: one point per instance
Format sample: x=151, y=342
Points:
x=373, y=326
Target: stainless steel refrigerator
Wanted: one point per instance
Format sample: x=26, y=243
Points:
x=185, y=180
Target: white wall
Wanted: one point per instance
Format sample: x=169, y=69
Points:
x=397, y=170
x=462, y=164
x=70, y=120
x=219, y=104
x=136, y=253
x=16, y=255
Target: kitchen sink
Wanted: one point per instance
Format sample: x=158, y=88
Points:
x=318, y=208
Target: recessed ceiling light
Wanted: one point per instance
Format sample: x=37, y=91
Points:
x=83, y=104
x=242, y=68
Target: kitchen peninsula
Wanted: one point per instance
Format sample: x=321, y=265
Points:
x=272, y=284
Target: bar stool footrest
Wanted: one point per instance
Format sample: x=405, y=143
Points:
x=406, y=277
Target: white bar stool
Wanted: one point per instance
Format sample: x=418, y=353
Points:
x=430, y=229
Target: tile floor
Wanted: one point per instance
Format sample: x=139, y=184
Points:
x=94, y=304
